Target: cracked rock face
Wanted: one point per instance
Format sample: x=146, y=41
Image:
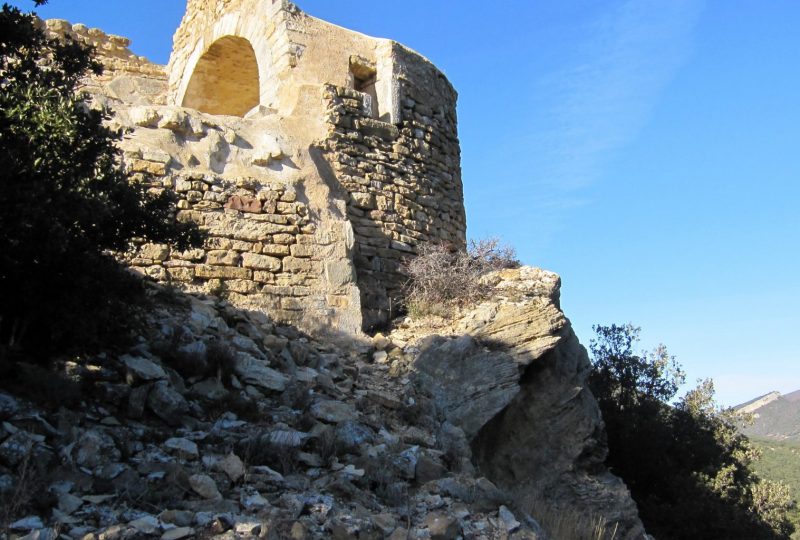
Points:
x=514, y=382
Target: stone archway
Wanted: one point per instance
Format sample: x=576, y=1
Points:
x=225, y=80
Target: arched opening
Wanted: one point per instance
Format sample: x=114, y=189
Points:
x=225, y=80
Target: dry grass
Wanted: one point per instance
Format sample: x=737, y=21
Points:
x=29, y=484
x=563, y=524
x=442, y=276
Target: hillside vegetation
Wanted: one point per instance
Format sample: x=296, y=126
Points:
x=780, y=461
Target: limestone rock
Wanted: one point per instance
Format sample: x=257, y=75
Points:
x=381, y=342
x=183, y=447
x=167, y=404
x=178, y=533
x=143, y=370
x=205, y=486
x=547, y=442
x=334, y=412
x=95, y=448
x=233, y=467
x=146, y=524
x=27, y=524
x=254, y=371
x=15, y=448
x=352, y=436
x=442, y=526
x=508, y=518
x=469, y=383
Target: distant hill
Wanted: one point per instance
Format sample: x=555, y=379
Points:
x=776, y=416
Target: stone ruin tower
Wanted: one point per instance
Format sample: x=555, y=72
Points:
x=315, y=157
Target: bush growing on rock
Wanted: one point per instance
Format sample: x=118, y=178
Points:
x=442, y=276
x=66, y=201
x=687, y=466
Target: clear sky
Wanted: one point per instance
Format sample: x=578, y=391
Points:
x=646, y=150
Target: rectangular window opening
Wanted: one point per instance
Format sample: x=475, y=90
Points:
x=365, y=78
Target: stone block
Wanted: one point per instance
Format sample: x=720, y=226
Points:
x=222, y=257
x=302, y=250
x=183, y=274
x=260, y=276
x=296, y=265
x=261, y=262
x=154, y=252
x=241, y=286
x=244, y=204
x=339, y=273
x=149, y=167
x=275, y=250
x=206, y=271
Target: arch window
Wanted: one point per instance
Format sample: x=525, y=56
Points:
x=225, y=80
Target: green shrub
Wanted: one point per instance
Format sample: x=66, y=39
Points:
x=688, y=468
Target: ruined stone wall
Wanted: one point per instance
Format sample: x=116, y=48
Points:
x=403, y=181
x=313, y=197
x=267, y=247
x=126, y=77
x=259, y=250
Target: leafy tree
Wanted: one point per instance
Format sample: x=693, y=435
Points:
x=65, y=201
x=687, y=466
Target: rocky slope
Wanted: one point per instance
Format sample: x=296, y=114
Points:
x=220, y=424
x=775, y=416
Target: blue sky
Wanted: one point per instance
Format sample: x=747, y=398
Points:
x=647, y=151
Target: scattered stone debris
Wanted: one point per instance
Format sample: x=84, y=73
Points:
x=344, y=447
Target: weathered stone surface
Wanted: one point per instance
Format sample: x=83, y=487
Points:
x=442, y=526
x=27, y=524
x=95, y=448
x=352, y=436
x=547, y=442
x=178, y=533
x=261, y=262
x=142, y=370
x=233, y=467
x=167, y=404
x=183, y=447
x=254, y=371
x=333, y=412
x=15, y=448
x=469, y=383
x=204, y=486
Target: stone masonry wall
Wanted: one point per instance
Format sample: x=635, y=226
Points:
x=259, y=246
x=404, y=185
x=126, y=77
x=315, y=242
x=266, y=247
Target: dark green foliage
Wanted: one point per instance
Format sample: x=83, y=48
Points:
x=780, y=461
x=65, y=202
x=686, y=465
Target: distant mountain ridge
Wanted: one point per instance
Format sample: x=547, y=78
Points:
x=776, y=416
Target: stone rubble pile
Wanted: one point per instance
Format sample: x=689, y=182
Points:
x=220, y=424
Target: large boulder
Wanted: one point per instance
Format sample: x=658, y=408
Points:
x=515, y=383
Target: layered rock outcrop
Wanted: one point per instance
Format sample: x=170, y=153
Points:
x=512, y=374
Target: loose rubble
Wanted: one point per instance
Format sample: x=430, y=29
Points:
x=271, y=435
